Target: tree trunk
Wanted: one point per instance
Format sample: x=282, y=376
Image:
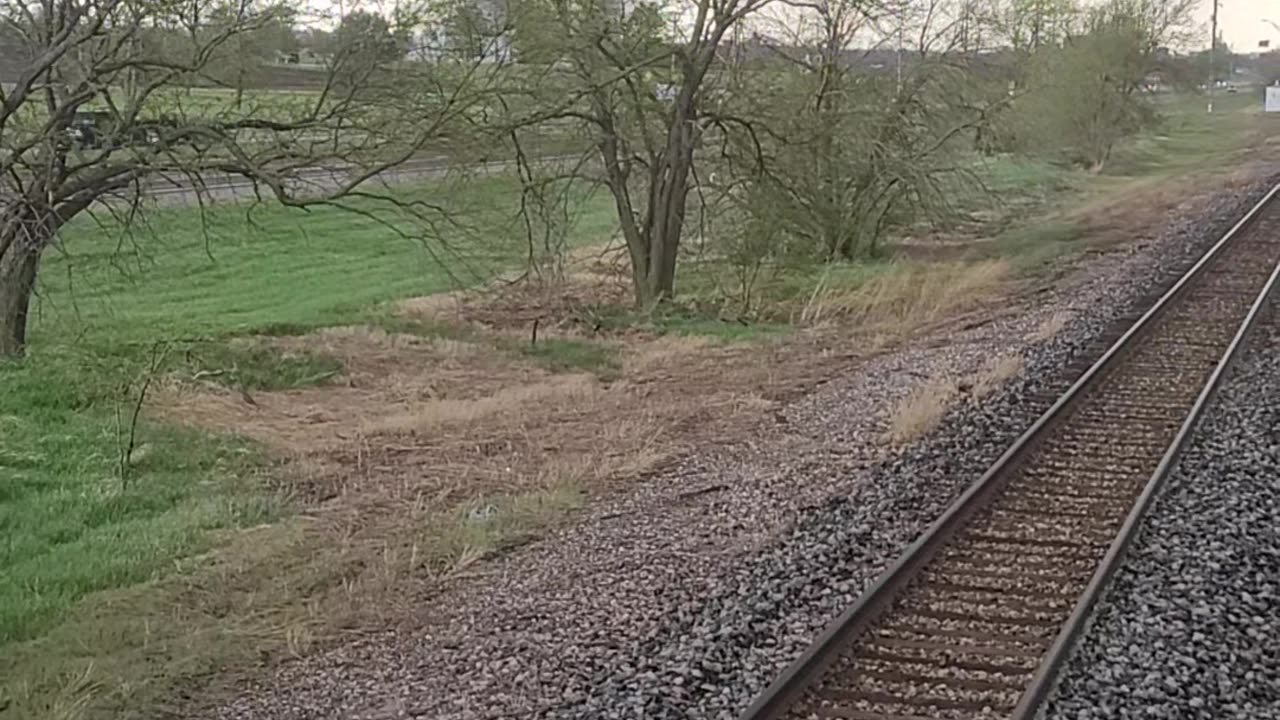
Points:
x=17, y=281
x=662, y=269
x=668, y=195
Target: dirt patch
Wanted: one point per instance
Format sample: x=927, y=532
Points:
x=435, y=423
x=591, y=278
x=383, y=374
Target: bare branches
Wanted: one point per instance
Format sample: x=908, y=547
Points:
x=127, y=436
x=116, y=97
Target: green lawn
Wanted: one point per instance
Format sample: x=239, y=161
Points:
x=1189, y=138
x=248, y=269
x=71, y=524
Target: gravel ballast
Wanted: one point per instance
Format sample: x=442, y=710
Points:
x=684, y=598
x=1190, y=625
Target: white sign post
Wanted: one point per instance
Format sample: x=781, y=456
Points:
x=1272, y=103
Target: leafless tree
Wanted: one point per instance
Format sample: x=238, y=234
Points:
x=115, y=97
x=1082, y=91
x=856, y=125
x=633, y=80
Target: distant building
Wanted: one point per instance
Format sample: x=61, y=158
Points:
x=479, y=33
x=484, y=35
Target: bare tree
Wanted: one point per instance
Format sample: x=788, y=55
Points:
x=1024, y=25
x=841, y=145
x=637, y=90
x=117, y=96
x=1083, y=92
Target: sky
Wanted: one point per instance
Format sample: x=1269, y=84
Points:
x=1242, y=22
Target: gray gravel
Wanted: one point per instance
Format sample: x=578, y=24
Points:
x=673, y=602
x=723, y=647
x=1191, y=625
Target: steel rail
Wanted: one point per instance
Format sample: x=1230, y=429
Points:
x=1046, y=673
x=780, y=695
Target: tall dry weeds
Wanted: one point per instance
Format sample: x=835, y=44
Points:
x=908, y=297
x=920, y=410
x=990, y=378
x=434, y=414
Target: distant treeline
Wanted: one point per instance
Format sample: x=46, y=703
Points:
x=266, y=76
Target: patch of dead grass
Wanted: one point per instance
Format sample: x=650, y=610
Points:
x=514, y=306
x=370, y=352
x=1133, y=210
x=431, y=415
x=481, y=526
x=662, y=352
x=357, y=341
x=1050, y=326
x=993, y=376
x=69, y=695
x=911, y=296
x=920, y=411
x=925, y=406
x=434, y=307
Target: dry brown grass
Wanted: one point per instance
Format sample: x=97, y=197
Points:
x=920, y=410
x=431, y=306
x=911, y=296
x=73, y=696
x=358, y=343
x=993, y=376
x=925, y=406
x=1050, y=327
x=385, y=375
x=432, y=415
x=662, y=352
x=1134, y=209
x=456, y=538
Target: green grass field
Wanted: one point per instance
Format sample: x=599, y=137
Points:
x=241, y=269
x=71, y=525
x=1190, y=139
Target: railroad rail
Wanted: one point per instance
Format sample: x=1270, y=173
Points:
x=974, y=620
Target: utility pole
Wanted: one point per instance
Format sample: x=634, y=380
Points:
x=898, y=91
x=1213, y=46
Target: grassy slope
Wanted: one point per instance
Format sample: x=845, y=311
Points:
x=1022, y=205
x=72, y=527
x=246, y=270
x=1187, y=140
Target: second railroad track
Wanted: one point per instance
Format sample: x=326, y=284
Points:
x=975, y=618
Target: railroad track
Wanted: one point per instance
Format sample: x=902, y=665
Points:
x=973, y=621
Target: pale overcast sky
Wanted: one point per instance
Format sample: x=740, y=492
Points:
x=1242, y=22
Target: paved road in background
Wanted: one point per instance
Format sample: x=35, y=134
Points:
x=226, y=187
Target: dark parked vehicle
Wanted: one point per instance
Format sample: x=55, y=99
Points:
x=96, y=129
x=89, y=129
